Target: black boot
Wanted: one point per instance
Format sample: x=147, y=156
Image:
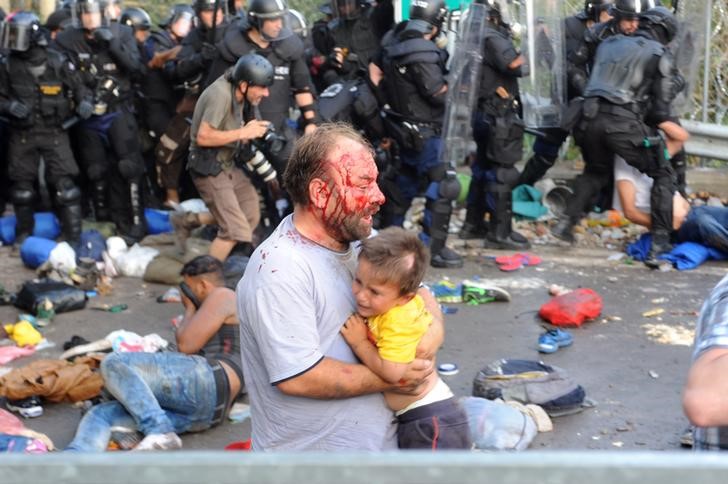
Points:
x=101, y=206
x=563, y=230
x=500, y=231
x=138, y=228
x=535, y=169
x=474, y=226
x=660, y=245
x=71, y=217
x=440, y=255
x=23, y=198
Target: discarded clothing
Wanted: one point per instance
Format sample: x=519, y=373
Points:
x=684, y=256
x=527, y=202
x=19, y=444
x=129, y=342
x=54, y=380
x=509, y=263
x=10, y=353
x=497, y=426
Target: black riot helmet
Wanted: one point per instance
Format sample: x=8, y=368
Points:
x=89, y=14
x=136, y=18
x=297, y=22
x=254, y=69
x=22, y=31
x=593, y=8
x=261, y=10
x=209, y=5
x=630, y=9
x=431, y=11
x=176, y=12
x=661, y=22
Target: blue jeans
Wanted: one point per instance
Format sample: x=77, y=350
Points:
x=156, y=393
x=707, y=226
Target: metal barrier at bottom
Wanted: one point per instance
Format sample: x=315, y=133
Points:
x=367, y=468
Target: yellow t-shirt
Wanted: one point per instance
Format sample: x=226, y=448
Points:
x=398, y=331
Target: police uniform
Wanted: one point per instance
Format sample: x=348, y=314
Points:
x=291, y=77
x=108, y=68
x=46, y=83
x=631, y=76
x=498, y=132
x=414, y=82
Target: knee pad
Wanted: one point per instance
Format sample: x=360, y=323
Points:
x=130, y=169
x=507, y=175
x=443, y=183
x=22, y=194
x=67, y=193
x=96, y=172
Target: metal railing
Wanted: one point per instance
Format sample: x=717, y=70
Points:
x=707, y=140
x=360, y=468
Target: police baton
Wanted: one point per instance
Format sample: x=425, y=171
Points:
x=70, y=122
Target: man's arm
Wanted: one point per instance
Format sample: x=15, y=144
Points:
x=627, y=194
x=355, y=332
x=209, y=137
x=705, y=399
x=198, y=326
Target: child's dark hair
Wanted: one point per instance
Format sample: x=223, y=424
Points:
x=397, y=256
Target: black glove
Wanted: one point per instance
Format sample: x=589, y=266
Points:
x=18, y=109
x=208, y=52
x=85, y=109
x=103, y=35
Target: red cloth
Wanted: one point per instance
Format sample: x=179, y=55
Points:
x=572, y=308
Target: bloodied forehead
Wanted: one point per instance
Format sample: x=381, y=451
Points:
x=352, y=162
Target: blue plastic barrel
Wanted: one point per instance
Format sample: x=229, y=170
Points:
x=46, y=226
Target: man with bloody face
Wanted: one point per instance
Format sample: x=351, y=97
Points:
x=295, y=296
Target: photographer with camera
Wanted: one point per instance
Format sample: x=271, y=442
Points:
x=224, y=135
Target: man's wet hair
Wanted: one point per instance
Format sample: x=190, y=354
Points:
x=397, y=256
x=203, y=265
x=308, y=159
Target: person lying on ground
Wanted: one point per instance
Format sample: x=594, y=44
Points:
x=705, y=225
x=389, y=323
x=165, y=394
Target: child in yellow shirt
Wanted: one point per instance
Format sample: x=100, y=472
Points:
x=385, y=331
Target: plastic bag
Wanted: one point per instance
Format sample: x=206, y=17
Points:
x=63, y=297
x=36, y=250
x=157, y=221
x=116, y=246
x=134, y=262
x=572, y=308
x=497, y=426
x=195, y=205
x=63, y=257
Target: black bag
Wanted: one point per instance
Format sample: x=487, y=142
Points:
x=63, y=297
x=505, y=139
x=529, y=381
x=406, y=135
x=174, y=142
x=203, y=162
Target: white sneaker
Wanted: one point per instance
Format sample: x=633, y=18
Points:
x=168, y=441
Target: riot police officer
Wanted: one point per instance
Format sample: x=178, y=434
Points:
x=162, y=96
x=633, y=79
x=546, y=148
x=38, y=89
x=498, y=132
x=415, y=89
x=266, y=32
x=106, y=55
x=352, y=38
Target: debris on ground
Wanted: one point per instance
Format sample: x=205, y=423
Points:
x=669, y=335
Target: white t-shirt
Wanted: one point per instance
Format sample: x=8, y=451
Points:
x=642, y=185
x=292, y=301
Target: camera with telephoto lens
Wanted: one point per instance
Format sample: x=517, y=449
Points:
x=259, y=165
x=107, y=90
x=271, y=142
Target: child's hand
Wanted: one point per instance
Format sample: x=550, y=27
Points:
x=354, y=330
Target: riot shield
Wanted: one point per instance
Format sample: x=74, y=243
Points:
x=463, y=84
x=543, y=91
x=688, y=48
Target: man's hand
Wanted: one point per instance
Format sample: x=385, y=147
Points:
x=354, y=330
x=103, y=35
x=85, y=109
x=310, y=128
x=337, y=57
x=414, y=377
x=208, y=52
x=18, y=109
x=253, y=129
x=187, y=302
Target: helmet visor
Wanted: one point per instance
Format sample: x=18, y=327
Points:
x=274, y=26
x=88, y=15
x=181, y=24
x=346, y=9
x=16, y=37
